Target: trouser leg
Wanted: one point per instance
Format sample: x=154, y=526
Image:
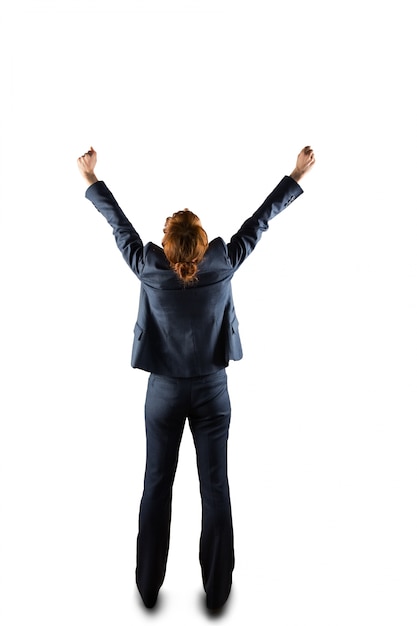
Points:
x=209, y=423
x=164, y=419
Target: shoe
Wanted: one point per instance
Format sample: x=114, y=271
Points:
x=149, y=599
x=215, y=608
x=150, y=603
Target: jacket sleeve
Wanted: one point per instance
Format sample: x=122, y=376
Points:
x=249, y=234
x=127, y=239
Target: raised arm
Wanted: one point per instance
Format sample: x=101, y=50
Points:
x=249, y=234
x=127, y=239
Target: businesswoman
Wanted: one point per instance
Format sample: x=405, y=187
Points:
x=185, y=335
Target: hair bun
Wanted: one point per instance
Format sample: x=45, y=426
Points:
x=186, y=270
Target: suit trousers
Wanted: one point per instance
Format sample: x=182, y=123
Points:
x=204, y=400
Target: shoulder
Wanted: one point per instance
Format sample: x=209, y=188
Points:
x=155, y=255
x=217, y=246
x=217, y=252
x=215, y=265
x=153, y=248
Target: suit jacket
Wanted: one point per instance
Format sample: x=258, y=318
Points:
x=187, y=331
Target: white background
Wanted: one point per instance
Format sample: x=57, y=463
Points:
x=205, y=105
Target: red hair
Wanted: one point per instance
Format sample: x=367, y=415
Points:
x=185, y=243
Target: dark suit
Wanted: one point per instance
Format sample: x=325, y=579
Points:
x=185, y=336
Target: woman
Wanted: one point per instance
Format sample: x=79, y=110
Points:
x=186, y=333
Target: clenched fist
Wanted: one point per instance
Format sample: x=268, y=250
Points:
x=86, y=164
x=305, y=162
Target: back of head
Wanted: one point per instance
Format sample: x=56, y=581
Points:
x=185, y=243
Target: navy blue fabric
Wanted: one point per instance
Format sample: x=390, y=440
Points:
x=188, y=330
x=169, y=401
x=185, y=336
